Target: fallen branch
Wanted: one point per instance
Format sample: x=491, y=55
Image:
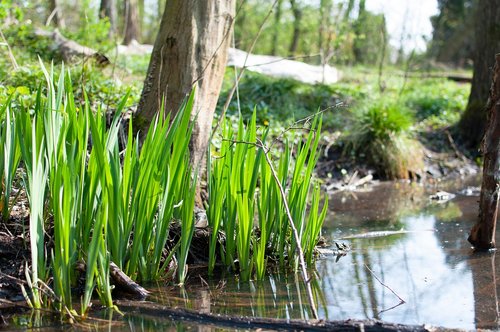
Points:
x=156, y=311
x=11, y=55
x=121, y=280
x=125, y=283
x=69, y=49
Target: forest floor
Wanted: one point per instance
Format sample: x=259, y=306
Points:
x=443, y=160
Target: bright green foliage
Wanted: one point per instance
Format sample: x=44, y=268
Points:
x=380, y=120
x=105, y=205
x=281, y=100
x=437, y=103
x=10, y=155
x=381, y=134
x=37, y=181
x=110, y=201
x=251, y=194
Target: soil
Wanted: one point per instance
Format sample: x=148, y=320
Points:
x=444, y=159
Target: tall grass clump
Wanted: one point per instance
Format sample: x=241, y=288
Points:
x=106, y=199
x=381, y=134
x=246, y=204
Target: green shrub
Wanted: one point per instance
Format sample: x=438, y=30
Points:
x=380, y=134
x=282, y=100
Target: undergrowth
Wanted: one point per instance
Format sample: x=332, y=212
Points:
x=102, y=197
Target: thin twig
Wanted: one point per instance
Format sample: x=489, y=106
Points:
x=302, y=261
x=293, y=126
x=454, y=146
x=11, y=55
x=279, y=59
x=401, y=301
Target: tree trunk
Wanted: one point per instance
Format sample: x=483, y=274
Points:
x=483, y=233
x=360, y=21
x=55, y=15
x=297, y=18
x=191, y=47
x=487, y=44
x=131, y=22
x=107, y=9
x=347, y=13
x=277, y=19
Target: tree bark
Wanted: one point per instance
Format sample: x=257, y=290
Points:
x=483, y=233
x=297, y=18
x=360, y=21
x=191, y=47
x=487, y=44
x=107, y=9
x=277, y=19
x=131, y=22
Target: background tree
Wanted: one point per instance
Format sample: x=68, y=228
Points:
x=107, y=9
x=276, y=27
x=453, y=32
x=55, y=14
x=191, y=47
x=487, y=44
x=132, y=26
x=369, y=30
x=297, y=21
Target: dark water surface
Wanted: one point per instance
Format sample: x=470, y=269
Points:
x=431, y=267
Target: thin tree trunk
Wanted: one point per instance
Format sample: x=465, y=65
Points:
x=483, y=233
x=297, y=18
x=107, y=9
x=347, y=13
x=55, y=15
x=191, y=47
x=360, y=21
x=277, y=19
x=487, y=44
x=131, y=22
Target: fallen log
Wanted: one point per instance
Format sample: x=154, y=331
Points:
x=156, y=311
x=70, y=50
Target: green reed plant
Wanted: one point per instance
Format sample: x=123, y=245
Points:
x=218, y=177
x=10, y=155
x=244, y=175
x=187, y=225
x=157, y=186
x=241, y=180
x=300, y=183
x=315, y=220
x=106, y=205
x=37, y=174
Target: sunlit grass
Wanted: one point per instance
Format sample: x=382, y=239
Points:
x=261, y=230
x=106, y=198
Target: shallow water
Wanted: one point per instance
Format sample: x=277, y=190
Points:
x=431, y=267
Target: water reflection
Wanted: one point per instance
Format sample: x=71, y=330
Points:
x=431, y=267
x=442, y=282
